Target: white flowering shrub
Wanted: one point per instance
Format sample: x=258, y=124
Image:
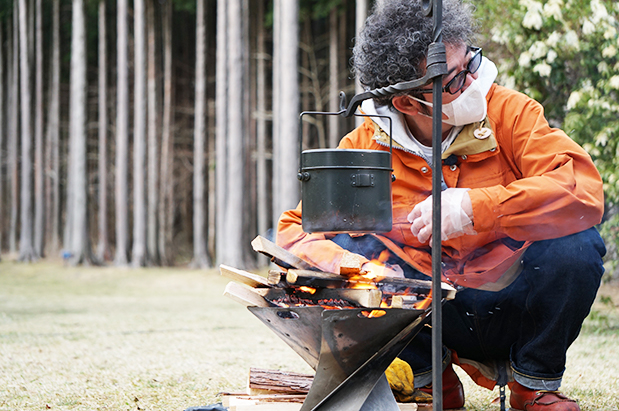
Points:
x=564, y=53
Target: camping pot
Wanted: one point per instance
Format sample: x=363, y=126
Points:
x=346, y=190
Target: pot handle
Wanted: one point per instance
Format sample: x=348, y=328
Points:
x=343, y=112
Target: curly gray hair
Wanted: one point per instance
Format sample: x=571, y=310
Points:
x=393, y=43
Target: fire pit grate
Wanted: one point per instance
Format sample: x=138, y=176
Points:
x=348, y=335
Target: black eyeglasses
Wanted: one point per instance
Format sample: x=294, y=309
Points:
x=457, y=82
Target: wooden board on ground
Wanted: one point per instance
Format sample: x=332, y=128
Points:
x=285, y=391
x=280, y=256
x=254, y=403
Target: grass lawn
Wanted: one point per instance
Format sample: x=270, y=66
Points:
x=91, y=338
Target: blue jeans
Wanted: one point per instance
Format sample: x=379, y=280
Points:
x=531, y=323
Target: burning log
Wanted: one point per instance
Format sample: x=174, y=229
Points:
x=316, y=279
x=387, y=285
x=350, y=264
x=404, y=301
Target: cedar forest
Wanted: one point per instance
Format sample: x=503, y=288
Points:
x=163, y=132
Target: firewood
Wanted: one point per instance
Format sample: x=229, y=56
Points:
x=368, y=298
x=238, y=403
x=404, y=301
x=245, y=296
x=351, y=264
x=285, y=403
x=276, y=381
x=277, y=278
x=387, y=285
x=315, y=279
x=252, y=280
x=280, y=256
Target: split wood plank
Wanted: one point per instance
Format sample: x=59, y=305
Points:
x=250, y=403
x=316, y=279
x=277, y=278
x=351, y=263
x=246, y=296
x=280, y=256
x=404, y=301
x=244, y=277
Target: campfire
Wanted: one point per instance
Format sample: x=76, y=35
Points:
x=348, y=327
x=297, y=283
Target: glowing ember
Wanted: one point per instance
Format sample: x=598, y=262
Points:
x=308, y=290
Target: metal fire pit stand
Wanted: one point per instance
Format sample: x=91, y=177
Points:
x=350, y=350
x=436, y=67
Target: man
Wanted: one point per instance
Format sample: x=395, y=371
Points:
x=519, y=203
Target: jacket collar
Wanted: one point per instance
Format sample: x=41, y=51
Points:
x=471, y=139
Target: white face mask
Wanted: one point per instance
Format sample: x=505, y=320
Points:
x=470, y=106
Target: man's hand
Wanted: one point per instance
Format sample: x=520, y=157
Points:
x=456, y=216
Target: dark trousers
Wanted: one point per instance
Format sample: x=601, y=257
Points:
x=531, y=323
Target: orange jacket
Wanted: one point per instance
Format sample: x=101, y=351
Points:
x=528, y=182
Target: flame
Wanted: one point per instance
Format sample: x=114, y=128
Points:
x=375, y=272
x=422, y=305
x=373, y=313
x=306, y=289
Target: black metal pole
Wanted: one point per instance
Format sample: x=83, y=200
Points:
x=437, y=177
x=436, y=67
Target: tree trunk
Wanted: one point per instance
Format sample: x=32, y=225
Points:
x=2, y=133
x=30, y=25
x=27, y=252
x=122, y=138
x=166, y=204
x=80, y=241
x=200, y=256
x=138, y=258
x=39, y=186
x=334, y=72
x=153, y=139
x=261, y=132
x=285, y=155
x=361, y=13
x=233, y=248
x=276, y=114
x=103, y=251
x=53, y=136
x=222, y=128
x=13, y=132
